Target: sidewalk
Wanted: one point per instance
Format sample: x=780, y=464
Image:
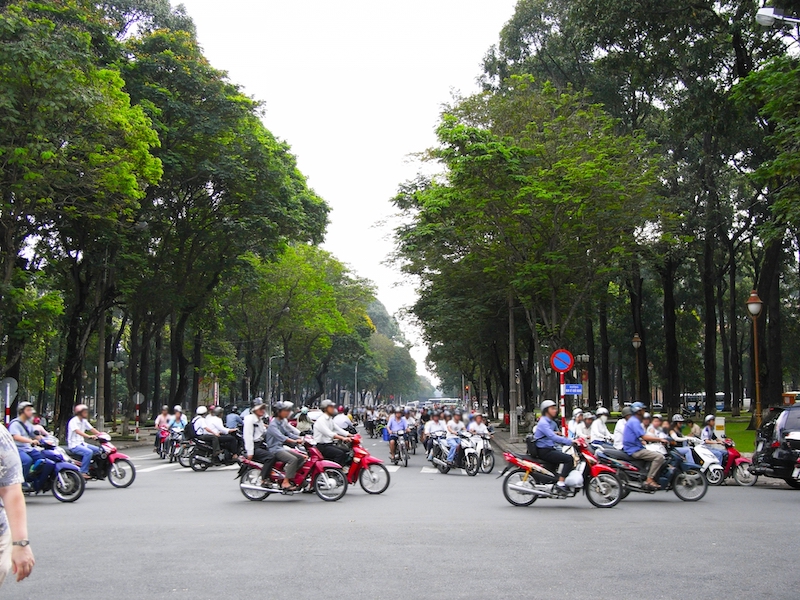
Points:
x=501, y=437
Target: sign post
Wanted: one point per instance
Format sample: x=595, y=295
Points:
x=562, y=361
x=137, y=398
x=9, y=386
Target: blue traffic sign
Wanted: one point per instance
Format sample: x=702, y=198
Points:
x=562, y=361
x=573, y=389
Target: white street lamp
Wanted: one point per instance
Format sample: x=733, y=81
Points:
x=767, y=16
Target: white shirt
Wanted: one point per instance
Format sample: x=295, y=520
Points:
x=619, y=430
x=325, y=428
x=432, y=427
x=456, y=427
x=582, y=431
x=479, y=429
x=253, y=431
x=77, y=424
x=412, y=422
x=342, y=420
x=599, y=432
x=200, y=425
x=214, y=423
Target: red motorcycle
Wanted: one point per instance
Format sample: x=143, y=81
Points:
x=109, y=463
x=367, y=470
x=736, y=466
x=324, y=477
x=529, y=478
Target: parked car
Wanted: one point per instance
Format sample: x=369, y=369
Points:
x=778, y=446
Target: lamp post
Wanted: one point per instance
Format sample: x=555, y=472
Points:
x=754, y=306
x=356, y=395
x=583, y=361
x=115, y=366
x=767, y=17
x=637, y=343
x=269, y=375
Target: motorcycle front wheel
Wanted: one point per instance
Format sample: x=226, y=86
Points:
x=604, y=491
x=68, y=486
x=330, y=485
x=715, y=476
x=471, y=467
x=743, y=476
x=251, y=477
x=487, y=462
x=690, y=485
x=374, y=479
x=404, y=455
x=122, y=473
x=517, y=478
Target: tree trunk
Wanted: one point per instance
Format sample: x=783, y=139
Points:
x=733, y=331
x=179, y=361
x=635, y=285
x=724, y=340
x=590, y=350
x=197, y=364
x=157, y=371
x=144, y=373
x=710, y=323
x=672, y=382
x=605, y=353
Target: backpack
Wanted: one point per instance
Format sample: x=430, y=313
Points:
x=188, y=432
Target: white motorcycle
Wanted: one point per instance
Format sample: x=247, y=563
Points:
x=466, y=454
x=483, y=446
x=710, y=466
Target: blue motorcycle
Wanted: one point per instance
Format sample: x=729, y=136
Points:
x=64, y=480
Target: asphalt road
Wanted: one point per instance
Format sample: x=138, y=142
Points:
x=180, y=534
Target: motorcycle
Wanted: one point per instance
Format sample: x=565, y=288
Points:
x=466, y=454
x=201, y=455
x=710, y=466
x=65, y=481
x=368, y=470
x=110, y=464
x=683, y=478
x=318, y=475
x=528, y=478
x=174, y=444
x=483, y=447
x=401, y=448
x=736, y=466
x=413, y=439
x=162, y=436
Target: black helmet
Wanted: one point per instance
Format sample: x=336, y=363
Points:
x=235, y=410
x=458, y=412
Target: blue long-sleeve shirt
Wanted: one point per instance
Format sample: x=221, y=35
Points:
x=545, y=435
x=276, y=436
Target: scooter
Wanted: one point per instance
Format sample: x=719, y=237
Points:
x=109, y=463
x=737, y=466
x=324, y=477
x=65, y=480
x=483, y=447
x=529, y=478
x=710, y=466
x=466, y=455
x=367, y=470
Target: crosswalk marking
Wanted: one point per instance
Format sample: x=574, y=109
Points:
x=431, y=470
x=392, y=468
x=156, y=468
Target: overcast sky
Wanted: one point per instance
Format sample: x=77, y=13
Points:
x=354, y=86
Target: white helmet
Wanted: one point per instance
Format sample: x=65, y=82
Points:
x=576, y=412
x=80, y=408
x=177, y=408
x=602, y=411
x=677, y=418
x=709, y=418
x=546, y=404
x=202, y=410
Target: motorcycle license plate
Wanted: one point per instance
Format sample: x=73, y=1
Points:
x=796, y=473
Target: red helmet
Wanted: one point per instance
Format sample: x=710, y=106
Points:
x=36, y=420
x=340, y=409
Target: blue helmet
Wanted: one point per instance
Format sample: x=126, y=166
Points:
x=637, y=406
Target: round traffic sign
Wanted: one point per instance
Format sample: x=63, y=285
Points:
x=562, y=361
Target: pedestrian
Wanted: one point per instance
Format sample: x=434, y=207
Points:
x=15, y=551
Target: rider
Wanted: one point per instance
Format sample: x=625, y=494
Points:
x=411, y=419
x=326, y=432
x=632, y=445
x=254, y=432
x=178, y=420
x=162, y=422
x=234, y=419
x=676, y=433
x=204, y=433
x=599, y=433
x=26, y=439
x=584, y=429
x=546, y=438
x=303, y=422
x=477, y=426
x=77, y=436
x=227, y=438
x=454, y=427
x=712, y=440
x=341, y=418
x=432, y=427
x=619, y=428
x=397, y=422
x=572, y=424
x=276, y=437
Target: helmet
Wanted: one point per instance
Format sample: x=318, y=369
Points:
x=260, y=406
x=708, y=418
x=340, y=409
x=257, y=400
x=279, y=406
x=36, y=420
x=458, y=412
x=577, y=411
x=304, y=410
x=588, y=416
x=218, y=410
x=626, y=411
x=235, y=410
x=646, y=415
x=165, y=407
x=325, y=404
x=677, y=418
x=399, y=409
x=201, y=410
x=446, y=414
x=546, y=404
x=80, y=408
x=657, y=416
x=636, y=407
x=22, y=406
x=602, y=411
x=177, y=408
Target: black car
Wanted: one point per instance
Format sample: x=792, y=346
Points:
x=778, y=446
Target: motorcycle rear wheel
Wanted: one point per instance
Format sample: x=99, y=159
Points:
x=376, y=472
x=184, y=456
x=337, y=479
x=604, y=491
x=715, y=476
x=514, y=497
x=472, y=466
x=197, y=465
x=487, y=462
x=690, y=486
x=71, y=489
x=122, y=473
x=251, y=477
x=404, y=455
x=743, y=476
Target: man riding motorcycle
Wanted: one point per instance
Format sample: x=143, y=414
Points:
x=397, y=422
x=203, y=432
x=254, y=432
x=77, y=436
x=713, y=441
x=279, y=435
x=632, y=444
x=599, y=433
x=226, y=439
x=454, y=427
x=431, y=427
x=26, y=439
x=234, y=419
x=545, y=438
x=326, y=432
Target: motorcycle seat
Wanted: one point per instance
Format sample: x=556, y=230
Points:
x=618, y=454
x=527, y=457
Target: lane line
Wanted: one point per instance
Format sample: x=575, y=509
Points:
x=156, y=468
x=392, y=468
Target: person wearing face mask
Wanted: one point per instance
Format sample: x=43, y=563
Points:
x=599, y=434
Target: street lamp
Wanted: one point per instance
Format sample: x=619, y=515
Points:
x=637, y=343
x=754, y=306
x=115, y=367
x=767, y=16
x=269, y=384
x=356, y=395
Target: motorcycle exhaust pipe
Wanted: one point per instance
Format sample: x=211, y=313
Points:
x=439, y=461
x=257, y=488
x=527, y=490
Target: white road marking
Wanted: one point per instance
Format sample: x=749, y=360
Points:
x=156, y=468
x=428, y=470
x=392, y=468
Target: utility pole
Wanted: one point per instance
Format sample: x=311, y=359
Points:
x=512, y=379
